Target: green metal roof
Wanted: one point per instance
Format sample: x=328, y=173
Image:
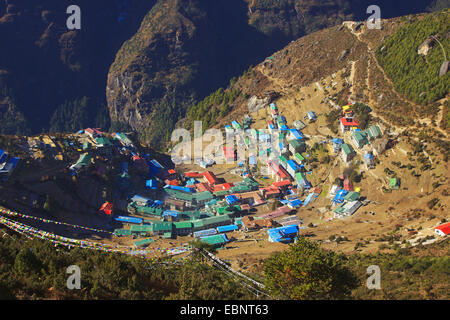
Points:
x=240, y=188
x=203, y=196
x=182, y=225
x=141, y=228
x=373, y=132
x=179, y=194
x=162, y=226
x=347, y=149
x=84, y=159
x=299, y=157
x=122, y=232
x=104, y=141
x=352, y=196
x=200, y=223
x=295, y=143
x=360, y=138
x=214, y=240
x=224, y=210
x=143, y=243
x=221, y=193
x=394, y=183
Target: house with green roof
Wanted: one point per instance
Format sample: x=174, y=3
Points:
x=202, y=197
x=394, y=183
x=297, y=146
x=103, y=142
x=299, y=157
x=347, y=152
x=211, y=222
x=351, y=196
x=141, y=229
x=216, y=240
x=82, y=162
x=373, y=132
x=222, y=193
x=225, y=210
x=160, y=227
x=360, y=139
x=182, y=228
x=122, y=232
x=142, y=243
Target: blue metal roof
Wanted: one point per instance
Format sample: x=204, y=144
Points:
x=207, y=232
x=228, y=228
x=128, y=219
x=170, y=213
x=339, y=198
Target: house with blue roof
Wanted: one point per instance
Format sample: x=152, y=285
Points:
x=312, y=116
x=283, y=234
x=295, y=134
x=339, y=198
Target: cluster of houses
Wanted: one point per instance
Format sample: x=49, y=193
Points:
x=41, y=146
x=206, y=207
x=201, y=205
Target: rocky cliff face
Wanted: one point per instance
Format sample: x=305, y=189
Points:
x=43, y=64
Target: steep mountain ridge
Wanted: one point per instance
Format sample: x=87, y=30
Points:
x=352, y=49
x=185, y=50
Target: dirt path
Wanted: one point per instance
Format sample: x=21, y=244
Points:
x=371, y=52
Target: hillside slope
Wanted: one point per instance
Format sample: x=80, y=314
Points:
x=185, y=50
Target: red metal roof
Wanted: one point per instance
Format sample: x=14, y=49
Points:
x=346, y=123
x=283, y=183
x=173, y=182
x=107, y=208
x=279, y=170
x=210, y=177
x=445, y=228
x=202, y=187
x=348, y=185
x=193, y=174
x=223, y=186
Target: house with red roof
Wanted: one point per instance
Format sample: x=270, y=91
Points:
x=443, y=230
x=203, y=186
x=270, y=192
x=348, y=185
x=278, y=170
x=348, y=123
x=93, y=132
x=210, y=177
x=282, y=184
x=106, y=208
x=222, y=187
x=193, y=175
